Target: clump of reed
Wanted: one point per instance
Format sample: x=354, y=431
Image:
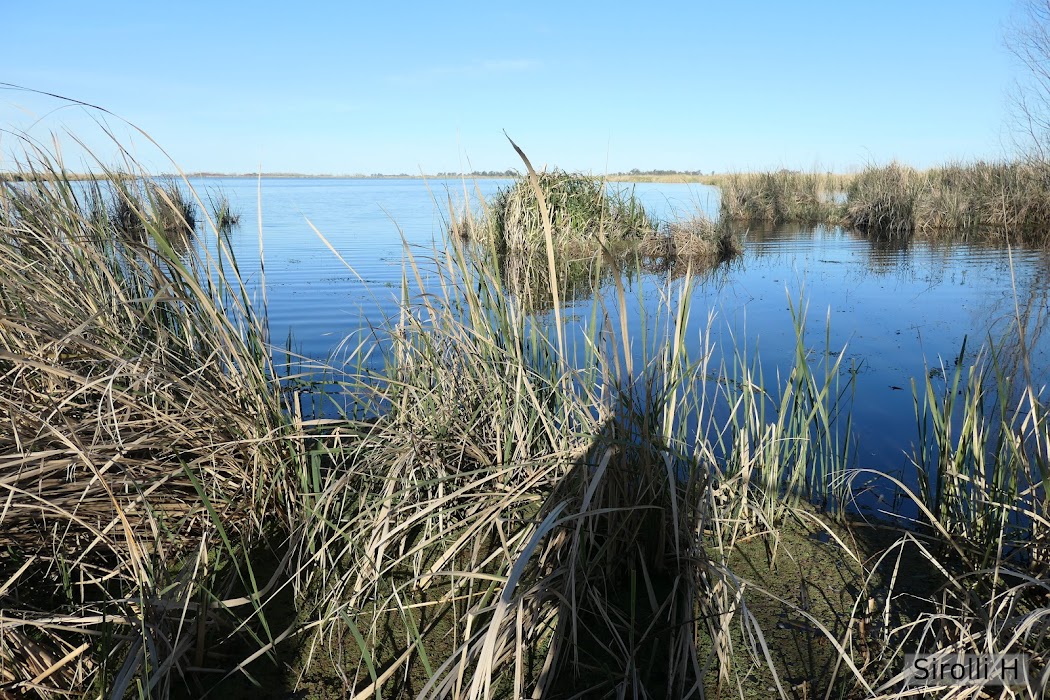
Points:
x=697, y=239
x=222, y=213
x=594, y=234
x=581, y=209
x=1010, y=196
x=141, y=206
x=578, y=278
x=557, y=521
x=883, y=199
x=571, y=529
x=971, y=197
x=779, y=197
x=983, y=527
x=144, y=451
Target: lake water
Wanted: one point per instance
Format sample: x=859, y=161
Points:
x=896, y=310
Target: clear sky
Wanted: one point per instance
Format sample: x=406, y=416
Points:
x=348, y=87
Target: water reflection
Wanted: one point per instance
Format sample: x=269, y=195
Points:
x=893, y=307
x=887, y=250
x=581, y=277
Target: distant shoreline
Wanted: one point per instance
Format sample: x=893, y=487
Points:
x=612, y=177
x=356, y=176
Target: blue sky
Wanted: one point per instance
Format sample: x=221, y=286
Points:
x=348, y=87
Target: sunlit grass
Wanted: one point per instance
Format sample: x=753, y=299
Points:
x=147, y=445
x=522, y=514
x=579, y=208
x=779, y=197
x=956, y=198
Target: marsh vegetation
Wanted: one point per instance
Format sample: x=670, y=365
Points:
x=579, y=219
x=973, y=197
x=519, y=513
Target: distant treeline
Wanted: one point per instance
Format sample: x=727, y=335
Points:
x=636, y=171
x=364, y=176
x=307, y=176
x=509, y=172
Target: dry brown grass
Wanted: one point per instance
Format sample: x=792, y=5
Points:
x=781, y=197
x=697, y=239
x=143, y=451
x=979, y=196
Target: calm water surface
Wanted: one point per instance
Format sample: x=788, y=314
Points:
x=895, y=311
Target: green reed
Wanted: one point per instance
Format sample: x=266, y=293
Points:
x=982, y=461
x=514, y=486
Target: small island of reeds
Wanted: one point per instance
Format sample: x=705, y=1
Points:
x=589, y=229
x=586, y=215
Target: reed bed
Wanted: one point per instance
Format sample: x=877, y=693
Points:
x=141, y=205
x=587, y=222
x=697, y=239
x=978, y=196
x=895, y=199
x=594, y=235
x=883, y=200
x=695, y=244
x=520, y=514
x=582, y=210
x=144, y=452
x=554, y=528
x=608, y=525
x=222, y=213
x=982, y=530
x=780, y=197
x=1012, y=196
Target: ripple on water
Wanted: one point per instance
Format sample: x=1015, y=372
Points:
x=897, y=306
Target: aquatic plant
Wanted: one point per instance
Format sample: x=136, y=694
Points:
x=173, y=208
x=498, y=546
x=782, y=196
x=980, y=196
x=222, y=213
x=883, y=199
x=592, y=237
x=697, y=239
x=143, y=206
x=983, y=531
x=547, y=511
x=582, y=211
x=999, y=196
